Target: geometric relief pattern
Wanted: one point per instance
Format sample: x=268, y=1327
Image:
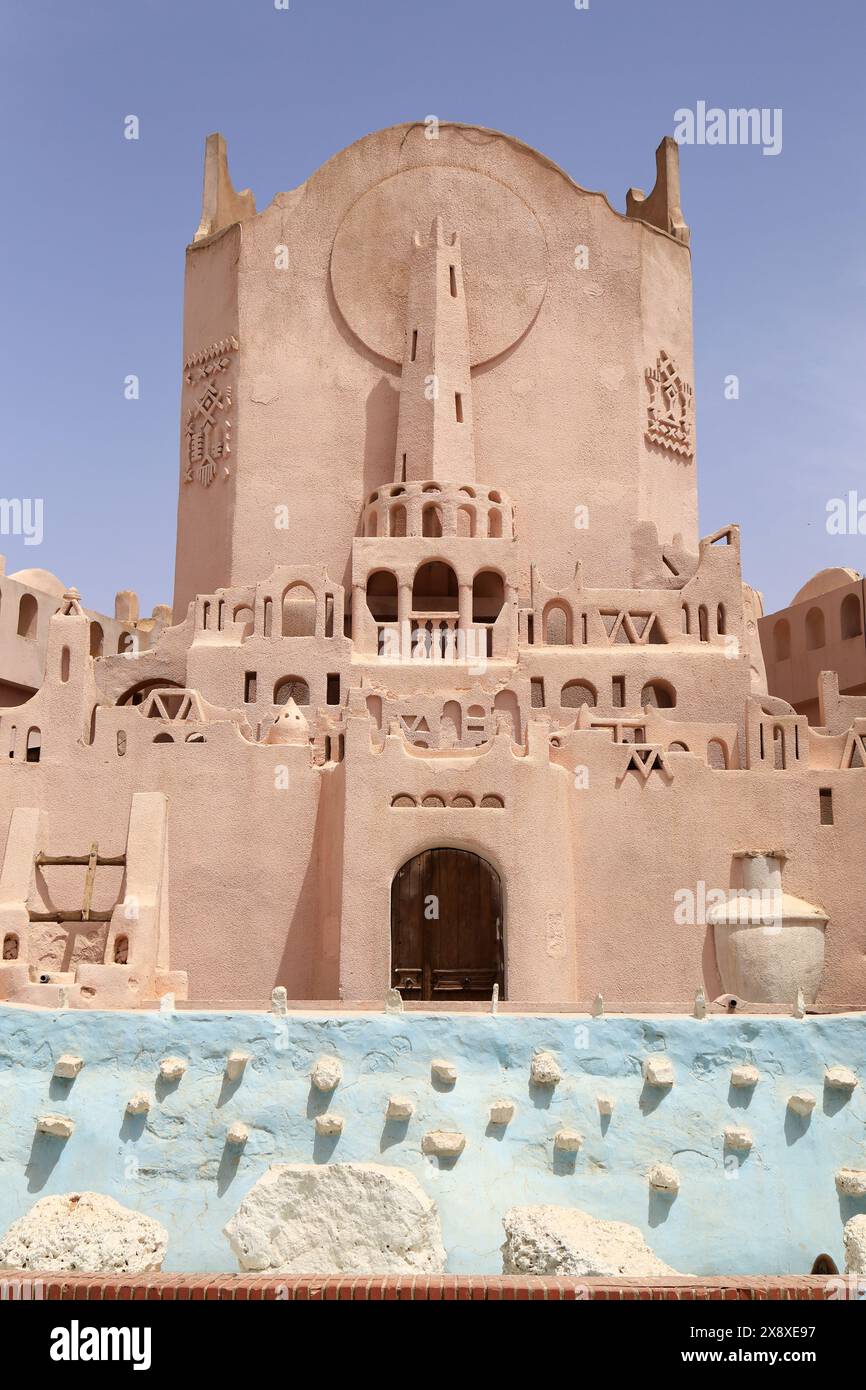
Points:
x=855, y=750
x=645, y=761
x=631, y=628
x=173, y=704
x=670, y=414
x=208, y=421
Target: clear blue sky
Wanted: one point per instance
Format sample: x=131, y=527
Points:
x=95, y=226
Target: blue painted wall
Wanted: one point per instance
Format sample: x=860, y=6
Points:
x=773, y=1212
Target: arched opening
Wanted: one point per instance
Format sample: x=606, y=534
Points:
x=717, y=754
x=64, y=665
x=577, y=693
x=434, y=589
x=488, y=596
x=121, y=950
x=815, y=633
x=703, y=624
x=494, y=524
x=28, y=617
x=851, y=617
x=299, y=611
x=244, y=614
x=398, y=520
x=466, y=521
x=33, y=751
x=137, y=693
x=556, y=626
x=382, y=596
x=658, y=695
x=446, y=927
x=97, y=639
x=782, y=640
x=291, y=688
x=431, y=520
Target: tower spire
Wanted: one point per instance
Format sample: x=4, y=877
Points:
x=434, y=433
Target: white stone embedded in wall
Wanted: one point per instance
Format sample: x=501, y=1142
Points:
x=329, y=1125
x=400, y=1108
x=565, y=1240
x=738, y=1137
x=501, y=1112
x=172, y=1068
x=326, y=1074
x=658, y=1071
x=567, y=1140
x=86, y=1232
x=60, y=1126
x=801, y=1102
x=279, y=1001
x=238, y=1134
x=851, y=1182
x=443, y=1143
x=841, y=1079
x=139, y=1103
x=337, y=1218
x=236, y=1063
x=545, y=1070
x=68, y=1066
x=663, y=1178
x=444, y=1072
x=745, y=1076
x=605, y=1105
x=854, y=1242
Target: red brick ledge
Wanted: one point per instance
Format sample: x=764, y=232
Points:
x=420, y=1288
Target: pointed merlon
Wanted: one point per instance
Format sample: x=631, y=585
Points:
x=221, y=206
x=662, y=208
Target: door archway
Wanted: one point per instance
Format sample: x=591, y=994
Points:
x=446, y=927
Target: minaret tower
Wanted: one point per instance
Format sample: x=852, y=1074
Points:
x=434, y=433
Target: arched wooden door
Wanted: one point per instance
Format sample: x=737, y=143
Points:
x=446, y=927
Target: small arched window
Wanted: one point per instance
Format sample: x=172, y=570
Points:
x=851, y=617
x=782, y=640
x=658, y=695
x=28, y=617
x=291, y=688
x=97, y=639
x=577, y=693
x=815, y=631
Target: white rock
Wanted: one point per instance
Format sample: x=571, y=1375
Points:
x=337, y=1218
x=84, y=1232
x=658, y=1071
x=59, y=1125
x=444, y=1072
x=736, y=1137
x=172, y=1068
x=841, y=1079
x=139, y=1103
x=801, y=1102
x=663, y=1178
x=745, y=1076
x=854, y=1242
x=238, y=1134
x=235, y=1064
x=565, y=1240
x=501, y=1112
x=443, y=1143
x=545, y=1070
x=326, y=1074
x=567, y=1140
x=851, y=1182
x=68, y=1066
x=400, y=1108
x=329, y=1125
x=605, y=1105
x=279, y=1001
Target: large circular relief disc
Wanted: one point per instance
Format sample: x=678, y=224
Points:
x=503, y=250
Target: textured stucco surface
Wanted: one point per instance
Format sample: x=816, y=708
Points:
x=771, y=1210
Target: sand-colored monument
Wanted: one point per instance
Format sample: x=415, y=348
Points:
x=455, y=696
